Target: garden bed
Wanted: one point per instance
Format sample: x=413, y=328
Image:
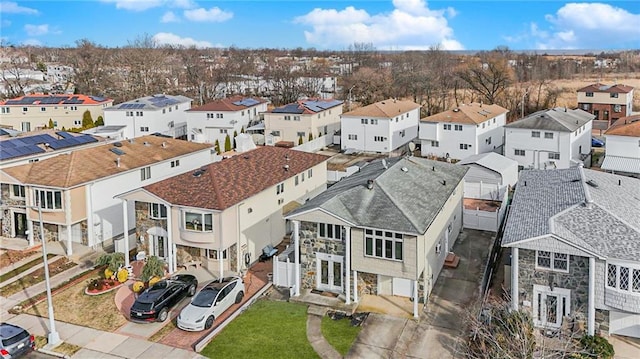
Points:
x=37, y=276
x=11, y=256
x=100, y=286
x=23, y=268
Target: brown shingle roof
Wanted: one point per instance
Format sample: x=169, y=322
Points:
x=226, y=104
x=625, y=126
x=86, y=165
x=388, y=108
x=473, y=113
x=230, y=181
x=598, y=87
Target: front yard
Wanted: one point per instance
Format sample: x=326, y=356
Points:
x=72, y=305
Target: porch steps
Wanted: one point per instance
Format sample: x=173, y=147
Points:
x=451, y=261
x=317, y=310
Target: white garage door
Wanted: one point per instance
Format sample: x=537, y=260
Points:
x=624, y=324
x=403, y=287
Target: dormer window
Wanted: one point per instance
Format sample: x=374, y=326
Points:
x=589, y=94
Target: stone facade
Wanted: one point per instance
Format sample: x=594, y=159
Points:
x=367, y=283
x=233, y=257
x=143, y=223
x=309, y=245
x=9, y=201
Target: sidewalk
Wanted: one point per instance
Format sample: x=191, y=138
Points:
x=100, y=344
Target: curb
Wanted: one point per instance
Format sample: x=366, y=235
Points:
x=52, y=353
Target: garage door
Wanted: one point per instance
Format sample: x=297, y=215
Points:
x=624, y=324
x=403, y=287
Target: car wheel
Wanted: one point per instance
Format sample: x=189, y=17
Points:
x=239, y=297
x=192, y=290
x=209, y=323
x=162, y=316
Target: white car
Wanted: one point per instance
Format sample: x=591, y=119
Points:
x=210, y=302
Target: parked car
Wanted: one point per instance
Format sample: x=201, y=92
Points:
x=596, y=142
x=212, y=300
x=15, y=341
x=155, y=302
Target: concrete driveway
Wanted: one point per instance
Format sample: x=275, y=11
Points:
x=438, y=334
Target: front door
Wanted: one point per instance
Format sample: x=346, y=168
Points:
x=550, y=305
x=20, y=224
x=159, y=246
x=329, y=272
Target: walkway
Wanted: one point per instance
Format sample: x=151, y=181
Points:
x=314, y=333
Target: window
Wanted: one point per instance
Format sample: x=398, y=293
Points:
x=535, y=134
x=164, y=110
x=302, y=176
x=378, y=139
x=494, y=120
x=296, y=118
x=435, y=144
x=223, y=130
x=589, y=94
x=144, y=129
x=329, y=231
x=623, y=277
x=301, y=134
x=157, y=211
x=280, y=188
x=139, y=113
x=554, y=156
x=175, y=163
x=617, y=108
x=383, y=244
x=458, y=127
x=77, y=122
x=402, y=133
x=310, y=172
x=297, y=180
x=6, y=109
x=43, y=109
x=613, y=95
x=213, y=254
x=352, y=137
x=26, y=126
x=548, y=135
x=447, y=126
x=364, y=121
x=25, y=109
x=519, y=152
x=241, y=113
x=464, y=146
x=374, y=121
x=219, y=115
x=488, y=140
x=75, y=108
x=275, y=133
x=129, y=113
x=48, y=199
x=483, y=125
x=17, y=191
x=145, y=173
x=202, y=222
x=287, y=118
x=554, y=261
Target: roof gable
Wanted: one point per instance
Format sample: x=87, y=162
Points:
x=491, y=160
x=625, y=126
x=615, y=88
x=308, y=106
x=231, y=104
x=558, y=119
x=389, y=108
x=473, y=113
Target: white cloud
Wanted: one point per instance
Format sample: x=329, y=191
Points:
x=169, y=16
x=411, y=25
x=588, y=26
x=215, y=14
x=9, y=7
x=32, y=42
x=165, y=38
x=36, y=30
x=183, y=4
x=135, y=5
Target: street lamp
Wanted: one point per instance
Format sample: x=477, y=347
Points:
x=351, y=88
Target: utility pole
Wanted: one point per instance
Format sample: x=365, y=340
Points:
x=349, y=97
x=522, y=103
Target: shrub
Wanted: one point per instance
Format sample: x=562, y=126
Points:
x=154, y=267
x=113, y=260
x=96, y=284
x=123, y=275
x=138, y=287
x=300, y=140
x=595, y=347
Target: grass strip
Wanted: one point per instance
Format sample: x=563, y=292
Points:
x=64, y=348
x=168, y=328
x=23, y=268
x=37, y=276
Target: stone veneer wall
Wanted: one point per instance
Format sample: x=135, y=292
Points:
x=577, y=280
x=309, y=245
x=367, y=283
x=232, y=254
x=144, y=222
x=7, y=221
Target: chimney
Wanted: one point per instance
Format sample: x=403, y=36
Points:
x=525, y=183
x=118, y=162
x=619, y=182
x=370, y=184
x=164, y=144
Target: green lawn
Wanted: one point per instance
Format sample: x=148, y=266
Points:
x=339, y=333
x=268, y=329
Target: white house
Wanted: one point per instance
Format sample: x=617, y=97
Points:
x=463, y=131
x=221, y=118
x=163, y=114
x=547, y=139
x=381, y=127
x=622, y=151
x=298, y=120
x=76, y=190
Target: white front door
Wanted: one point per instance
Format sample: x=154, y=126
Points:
x=550, y=305
x=158, y=247
x=329, y=272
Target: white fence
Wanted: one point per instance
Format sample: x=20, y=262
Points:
x=485, y=220
x=284, y=269
x=316, y=144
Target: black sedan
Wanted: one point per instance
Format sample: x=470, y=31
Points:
x=155, y=302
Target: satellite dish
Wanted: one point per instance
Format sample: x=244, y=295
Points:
x=412, y=147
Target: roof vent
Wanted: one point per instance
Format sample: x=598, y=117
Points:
x=592, y=183
x=456, y=109
x=118, y=162
x=404, y=169
x=146, y=143
x=164, y=145
x=117, y=144
x=286, y=167
x=370, y=184
x=198, y=173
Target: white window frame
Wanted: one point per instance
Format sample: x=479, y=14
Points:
x=213, y=254
x=280, y=188
x=376, y=237
x=519, y=152
x=446, y=127
x=458, y=127
x=156, y=211
x=175, y=163
x=53, y=201
x=145, y=173
x=20, y=189
x=553, y=257
x=325, y=228
x=535, y=134
x=435, y=143
x=633, y=270
x=548, y=135
x=195, y=222
x=554, y=155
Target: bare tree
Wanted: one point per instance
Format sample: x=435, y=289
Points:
x=14, y=79
x=489, y=77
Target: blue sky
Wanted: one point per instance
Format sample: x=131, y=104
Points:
x=334, y=25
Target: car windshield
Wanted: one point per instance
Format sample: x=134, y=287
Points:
x=16, y=338
x=142, y=306
x=205, y=298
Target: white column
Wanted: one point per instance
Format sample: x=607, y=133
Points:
x=355, y=285
x=67, y=213
x=220, y=249
x=69, y=241
x=296, y=243
x=125, y=234
x=415, y=299
x=89, y=210
x=172, y=254
x=591, y=313
x=30, y=236
x=175, y=264
x=347, y=257
x=514, y=279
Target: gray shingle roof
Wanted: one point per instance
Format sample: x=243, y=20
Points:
x=490, y=160
x=557, y=119
x=405, y=197
x=555, y=202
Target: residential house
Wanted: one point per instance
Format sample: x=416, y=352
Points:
x=216, y=120
x=574, y=236
x=163, y=114
x=26, y=147
x=469, y=129
x=548, y=139
x=384, y=230
x=298, y=120
x=606, y=102
x=486, y=189
x=622, y=151
x=222, y=215
x=381, y=127
x=75, y=190
x=34, y=112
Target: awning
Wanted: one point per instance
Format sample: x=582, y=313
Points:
x=257, y=127
x=621, y=164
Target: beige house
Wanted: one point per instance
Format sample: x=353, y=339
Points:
x=298, y=120
x=607, y=102
x=75, y=190
x=33, y=112
x=222, y=215
x=385, y=230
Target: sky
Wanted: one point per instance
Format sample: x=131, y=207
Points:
x=327, y=25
